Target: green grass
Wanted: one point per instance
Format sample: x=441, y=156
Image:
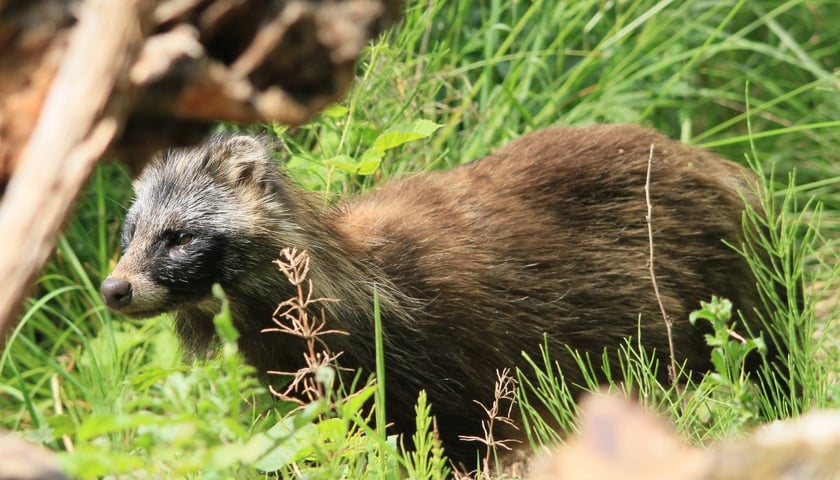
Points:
x=753, y=80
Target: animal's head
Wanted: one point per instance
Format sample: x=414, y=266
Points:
x=196, y=216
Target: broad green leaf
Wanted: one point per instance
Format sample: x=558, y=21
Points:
x=100, y=424
x=342, y=162
x=332, y=429
x=335, y=111
x=289, y=440
x=61, y=425
x=229, y=454
x=369, y=163
x=354, y=403
x=404, y=133
x=99, y=461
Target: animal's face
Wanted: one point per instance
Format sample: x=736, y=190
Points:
x=191, y=225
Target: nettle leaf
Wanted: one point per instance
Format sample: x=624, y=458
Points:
x=404, y=133
x=371, y=159
x=367, y=165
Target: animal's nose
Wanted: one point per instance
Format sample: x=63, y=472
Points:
x=116, y=292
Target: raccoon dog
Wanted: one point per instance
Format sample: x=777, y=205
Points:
x=544, y=239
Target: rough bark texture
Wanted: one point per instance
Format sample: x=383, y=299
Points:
x=82, y=80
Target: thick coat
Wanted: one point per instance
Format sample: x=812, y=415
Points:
x=474, y=265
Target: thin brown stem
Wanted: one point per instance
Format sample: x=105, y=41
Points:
x=672, y=366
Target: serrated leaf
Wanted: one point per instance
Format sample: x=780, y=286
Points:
x=719, y=362
x=404, y=133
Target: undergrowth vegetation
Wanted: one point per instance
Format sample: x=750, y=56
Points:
x=755, y=80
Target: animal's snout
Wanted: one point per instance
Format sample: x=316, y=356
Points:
x=116, y=292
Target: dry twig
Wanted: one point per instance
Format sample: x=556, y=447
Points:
x=672, y=366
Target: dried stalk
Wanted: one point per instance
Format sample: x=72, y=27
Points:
x=672, y=366
x=292, y=318
x=503, y=392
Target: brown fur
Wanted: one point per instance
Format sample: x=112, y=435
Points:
x=546, y=236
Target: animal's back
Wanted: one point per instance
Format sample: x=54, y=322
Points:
x=549, y=236
x=554, y=225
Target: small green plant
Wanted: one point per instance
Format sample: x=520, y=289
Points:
x=371, y=158
x=548, y=401
x=729, y=356
x=427, y=461
x=342, y=162
x=187, y=421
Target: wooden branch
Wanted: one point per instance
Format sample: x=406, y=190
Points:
x=79, y=120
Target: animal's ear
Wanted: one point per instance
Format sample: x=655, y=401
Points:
x=246, y=161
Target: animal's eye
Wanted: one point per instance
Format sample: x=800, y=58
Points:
x=182, y=238
x=176, y=239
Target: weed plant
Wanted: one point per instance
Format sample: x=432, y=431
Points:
x=755, y=80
